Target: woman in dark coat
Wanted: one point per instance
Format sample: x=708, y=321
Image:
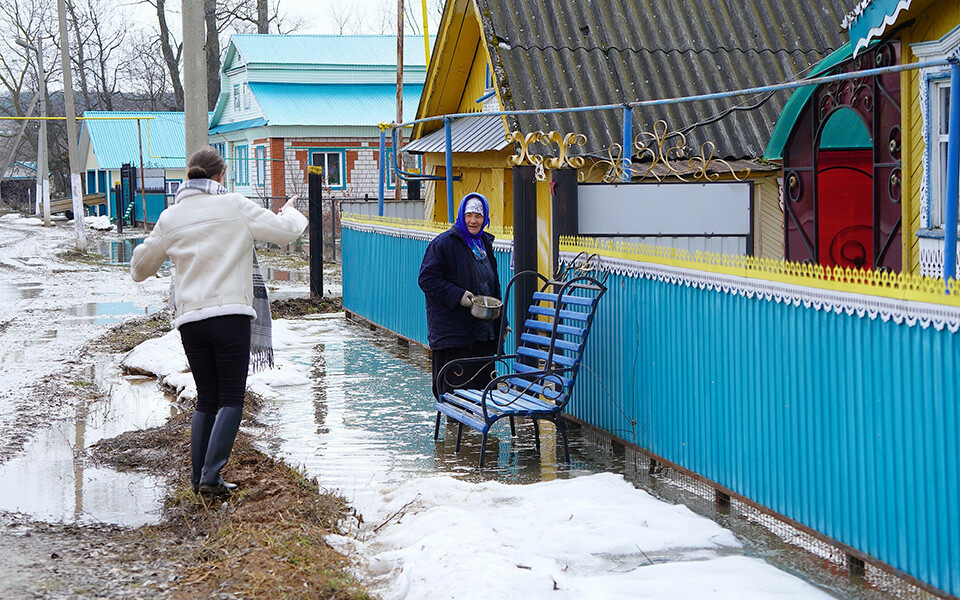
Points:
x=458, y=265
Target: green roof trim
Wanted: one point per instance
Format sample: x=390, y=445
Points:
x=798, y=100
x=248, y=124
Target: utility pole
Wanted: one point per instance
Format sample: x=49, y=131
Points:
x=43, y=184
x=398, y=183
x=195, y=118
x=73, y=148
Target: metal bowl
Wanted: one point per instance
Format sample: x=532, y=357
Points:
x=486, y=307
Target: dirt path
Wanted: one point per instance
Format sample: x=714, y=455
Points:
x=267, y=542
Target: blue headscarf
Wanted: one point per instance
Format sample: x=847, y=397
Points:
x=475, y=242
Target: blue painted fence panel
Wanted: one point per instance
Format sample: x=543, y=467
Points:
x=846, y=424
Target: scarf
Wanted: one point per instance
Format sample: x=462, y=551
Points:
x=474, y=242
x=261, y=333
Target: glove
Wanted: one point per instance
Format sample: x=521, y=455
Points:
x=467, y=300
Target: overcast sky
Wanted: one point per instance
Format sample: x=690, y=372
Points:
x=358, y=16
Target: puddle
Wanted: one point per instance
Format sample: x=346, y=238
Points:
x=367, y=419
x=53, y=480
x=11, y=292
x=118, y=252
x=106, y=313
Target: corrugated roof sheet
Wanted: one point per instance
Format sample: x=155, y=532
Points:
x=468, y=134
x=328, y=49
x=248, y=124
x=327, y=104
x=114, y=138
x=565, y=53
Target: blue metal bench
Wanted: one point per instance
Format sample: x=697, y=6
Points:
x=539, y=377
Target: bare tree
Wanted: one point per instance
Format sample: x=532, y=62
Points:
x=170, y=49
x=344, y=18
x=145, y=74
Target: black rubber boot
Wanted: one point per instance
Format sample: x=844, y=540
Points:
x=199, y=438
x=218, y=451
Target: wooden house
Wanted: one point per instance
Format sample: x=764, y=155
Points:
x=292, y=101
x=531, y=55
x=151, y=141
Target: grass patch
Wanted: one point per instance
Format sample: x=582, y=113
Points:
x=297, y=307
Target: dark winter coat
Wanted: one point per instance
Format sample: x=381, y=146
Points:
x=446, y=272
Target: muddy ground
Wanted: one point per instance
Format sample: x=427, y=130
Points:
x=268, y=541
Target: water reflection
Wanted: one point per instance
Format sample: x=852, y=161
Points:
x=368, y=419
x=11, y=292
x=118, y=252
x=52, y=479
x=105, y=313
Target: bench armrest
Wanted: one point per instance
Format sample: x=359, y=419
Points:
x=455, y=367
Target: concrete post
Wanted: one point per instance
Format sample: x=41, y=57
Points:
x=195, y=120
x=73, y=149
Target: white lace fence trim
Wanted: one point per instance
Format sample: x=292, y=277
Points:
x=899, y=311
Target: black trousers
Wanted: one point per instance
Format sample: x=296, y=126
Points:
x=474, y=376
x=218, y=350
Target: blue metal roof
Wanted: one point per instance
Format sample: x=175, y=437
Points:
x=325, y=50
x=115, y=141
x=248, y=124
x=333, y=105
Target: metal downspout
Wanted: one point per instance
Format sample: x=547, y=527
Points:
x=953, y=175
x=449, y=155
x=627, y=141
x=382, y=172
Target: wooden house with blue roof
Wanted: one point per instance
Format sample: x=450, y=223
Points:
x=292, y=101
x=153, y=141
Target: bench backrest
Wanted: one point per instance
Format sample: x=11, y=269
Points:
x=554, y=336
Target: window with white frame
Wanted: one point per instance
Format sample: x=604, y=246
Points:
x=261, y=154
x=938, y=128
x=332, y=163
x=246, y=96
x=241, y=168
x=236, y=96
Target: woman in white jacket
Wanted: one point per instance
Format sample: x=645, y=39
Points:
x=208, y=235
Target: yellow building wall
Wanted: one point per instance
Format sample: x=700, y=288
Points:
x=476, y=83
x=767, y=218
x=931, y=24
x=485, y=173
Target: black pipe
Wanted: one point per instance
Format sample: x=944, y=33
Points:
x=315, y=196
x=524, y=241
x=566, y=213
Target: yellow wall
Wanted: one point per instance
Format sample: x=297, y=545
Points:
x=929, y=25
x=476, y=82
x=767, y=218
x=486, y=173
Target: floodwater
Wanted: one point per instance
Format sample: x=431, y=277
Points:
x=53, y=478
x=367, y=418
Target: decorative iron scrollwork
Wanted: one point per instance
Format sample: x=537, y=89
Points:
x=663, y=153
x=564, y=142
x=658, y=153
